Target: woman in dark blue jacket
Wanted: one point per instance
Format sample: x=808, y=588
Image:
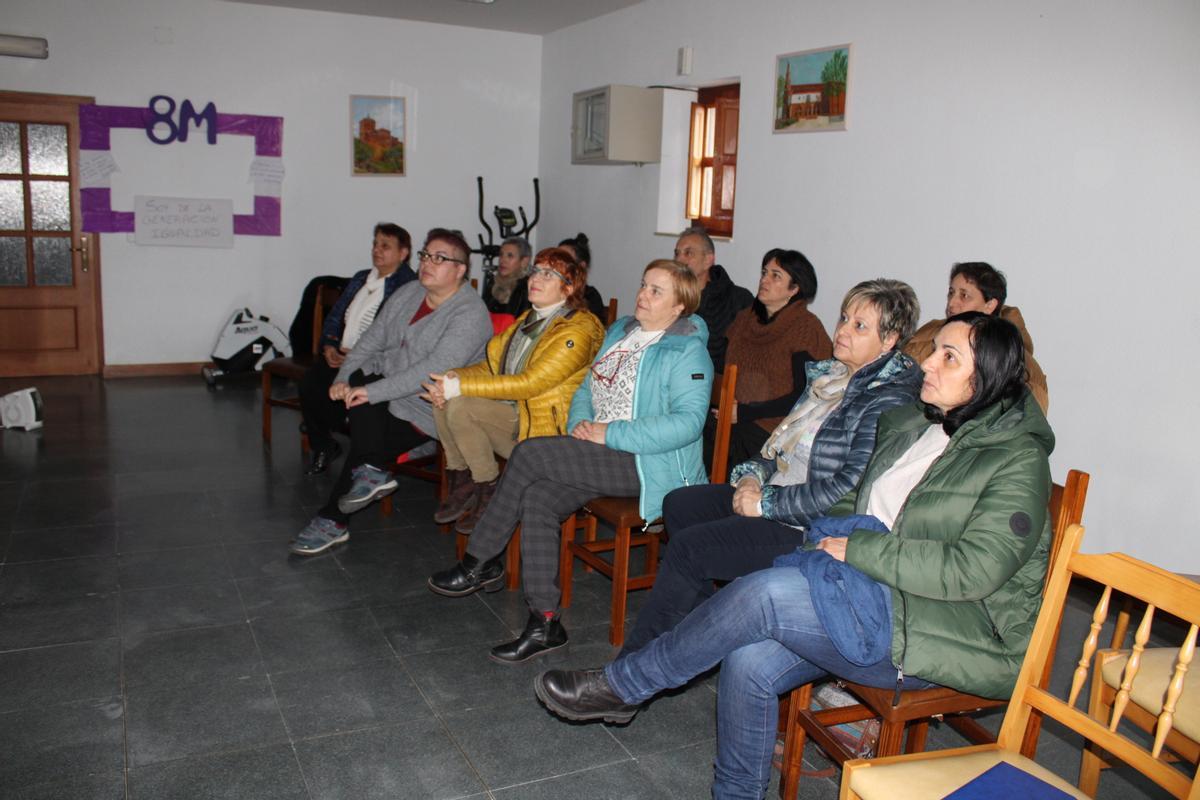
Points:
x=815, y=456
x=354, y=311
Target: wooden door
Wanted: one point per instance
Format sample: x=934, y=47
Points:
x=49, y=269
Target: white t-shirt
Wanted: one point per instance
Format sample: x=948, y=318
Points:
x=892, y=488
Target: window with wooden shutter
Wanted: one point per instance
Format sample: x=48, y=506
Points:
x=712, y=159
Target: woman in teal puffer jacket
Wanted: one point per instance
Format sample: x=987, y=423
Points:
x=962, y=485
x=634, y=426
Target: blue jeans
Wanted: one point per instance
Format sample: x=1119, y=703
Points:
x=763, y=627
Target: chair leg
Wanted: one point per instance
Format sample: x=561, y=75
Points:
x=566, y=561
x=266, y=406
x=794, y=738
x=891, y=737
x=512, y=562
x=589, y=535
x=460, y=546
x=385, y=505
x=918, y=731
x=1092, y=761
x=620, y=586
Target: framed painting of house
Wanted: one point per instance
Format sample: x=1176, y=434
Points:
x=377, y=126
x=811, y=88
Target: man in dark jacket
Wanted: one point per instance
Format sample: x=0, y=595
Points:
x=721, y=299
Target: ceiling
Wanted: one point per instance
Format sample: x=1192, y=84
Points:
x=522, y=16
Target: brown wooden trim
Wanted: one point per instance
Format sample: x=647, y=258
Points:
x=37, y=97
x=154, y=370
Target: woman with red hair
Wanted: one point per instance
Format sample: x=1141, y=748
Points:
x=522, y=388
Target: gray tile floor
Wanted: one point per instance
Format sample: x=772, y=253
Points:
x=157, y=641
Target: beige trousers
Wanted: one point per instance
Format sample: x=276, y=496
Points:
x=473, y=431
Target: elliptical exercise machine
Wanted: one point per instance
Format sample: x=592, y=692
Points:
x=506, y=222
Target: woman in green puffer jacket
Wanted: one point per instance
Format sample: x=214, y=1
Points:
x=962, y=483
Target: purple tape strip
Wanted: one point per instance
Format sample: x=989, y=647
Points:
x=95, y=124
x=265, y=221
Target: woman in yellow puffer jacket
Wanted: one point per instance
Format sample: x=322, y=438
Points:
x=522, y=388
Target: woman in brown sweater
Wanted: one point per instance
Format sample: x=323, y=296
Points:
x=771, y=342
x=978, y=286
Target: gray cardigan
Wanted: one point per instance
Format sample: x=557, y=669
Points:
x=455, y=334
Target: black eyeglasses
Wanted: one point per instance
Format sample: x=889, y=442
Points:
x=438, y=258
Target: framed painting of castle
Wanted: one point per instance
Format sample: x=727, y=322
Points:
x=811, y=88
x=377, y=126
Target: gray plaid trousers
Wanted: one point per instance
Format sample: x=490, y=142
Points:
x=547, y=478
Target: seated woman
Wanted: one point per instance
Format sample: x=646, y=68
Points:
x=505, y=291
x=770, y=343
x=350, y=316
x=978, y=286
x=963, y=483
x=578, y=245
x=814, y=457
x=522, y=388
x=635, y=427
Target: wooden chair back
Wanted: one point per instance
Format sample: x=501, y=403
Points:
x=612, y=312
x=723, y=399
x=293, y=367
x=916, y=708
x=1163, y=593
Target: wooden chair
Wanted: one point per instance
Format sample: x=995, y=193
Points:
x=612, y=312
x=1143, y=700
x=935, y=774
x=293, y=367
x=917, y=707
x=622, y=514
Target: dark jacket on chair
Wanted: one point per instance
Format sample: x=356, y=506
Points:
x=331, y=331
x=720, y=302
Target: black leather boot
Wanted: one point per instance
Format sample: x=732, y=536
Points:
x=323, y=458
x=542, y=634
x=581, y=695
x=469, y=576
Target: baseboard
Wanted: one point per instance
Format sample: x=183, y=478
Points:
x=153, y=370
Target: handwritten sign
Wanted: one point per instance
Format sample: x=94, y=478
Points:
x=182, y=221
x=96, y=168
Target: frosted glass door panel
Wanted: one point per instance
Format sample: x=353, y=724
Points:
x=52, y=261
x=47, y=149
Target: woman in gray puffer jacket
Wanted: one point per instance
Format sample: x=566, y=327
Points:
x=814, y=457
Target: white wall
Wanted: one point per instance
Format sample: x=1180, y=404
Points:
x=474, y=105
x=1058, y=140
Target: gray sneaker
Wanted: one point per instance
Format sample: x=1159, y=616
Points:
x=318, y=536
x=370, y=484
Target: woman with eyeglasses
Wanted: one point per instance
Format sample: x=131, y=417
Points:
x=634, y=429
x=521, y=389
